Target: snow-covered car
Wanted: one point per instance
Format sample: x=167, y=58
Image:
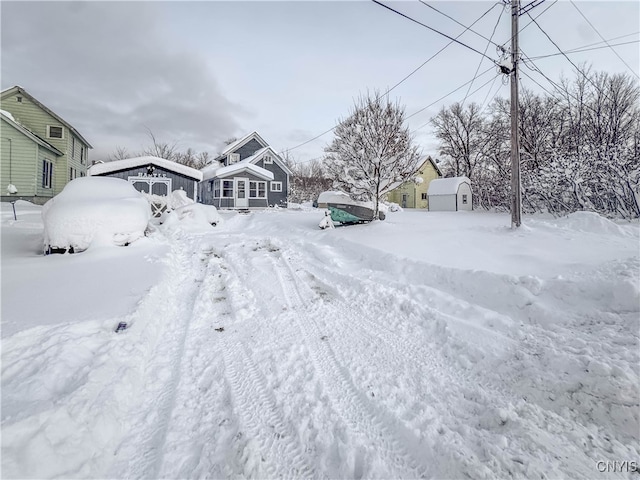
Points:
x=91, y=211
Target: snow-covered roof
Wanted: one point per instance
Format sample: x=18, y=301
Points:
x=124, y=164
x=238, y=143
x=446, y=186
x=243, y=166
x=22, y=91
x=24, y=130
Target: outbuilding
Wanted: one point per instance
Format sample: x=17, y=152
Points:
x=450, y=194
x=152, y=175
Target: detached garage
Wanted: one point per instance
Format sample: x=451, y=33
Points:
x=450, y=194
x=152, y=175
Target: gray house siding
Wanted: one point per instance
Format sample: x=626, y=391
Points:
x=248, y=149
x=279, y=175
x=178, y=181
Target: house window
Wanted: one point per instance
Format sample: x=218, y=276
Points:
x=257, y=189
x=55, y=132
x=209, y=186
x=227, y=188
x=47, y=173
x=464, y=199
x=276, y=186
x=268, y=159
x=82, y=174
x=19, y=99
x=234, y=158
x=72, y=173
x=73, y=147
x=82, y=153
x=424, y=196
x=216, y=188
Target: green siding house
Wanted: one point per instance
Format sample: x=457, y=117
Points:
x=40, y=152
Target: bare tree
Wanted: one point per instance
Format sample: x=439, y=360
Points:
x=120, y=154
x=372, y=151
x=462, y=138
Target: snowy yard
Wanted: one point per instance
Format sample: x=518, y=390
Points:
x=435, y=345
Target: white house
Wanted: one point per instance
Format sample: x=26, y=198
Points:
x=450, y=194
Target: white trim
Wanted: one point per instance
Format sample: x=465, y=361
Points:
x=233, y=158
x=127, y=163
x=222, y=195
x=274, y=185
x=150, y=181
x=238, y=143
x=55, y=126
x=257, y=189
x=267, y=159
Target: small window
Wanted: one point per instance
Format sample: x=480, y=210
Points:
x=234, y=158
x=209, y=186
x=55, y=132
x=82, y=174
x=464, y=198
x=227, y=188
x=72, y=173
x=19, y=99
x=276, y=186
x=216, y=188
x=73, y=147
x=257, y=189
x=47, y=173
x=268, y=159
x=82, y=154
x=424, y=196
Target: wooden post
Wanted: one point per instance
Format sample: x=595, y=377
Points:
x=516, y=194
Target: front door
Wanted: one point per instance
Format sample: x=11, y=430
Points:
x=241, y=191
x=405, y=197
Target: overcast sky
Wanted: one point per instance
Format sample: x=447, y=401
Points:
x=198, y=73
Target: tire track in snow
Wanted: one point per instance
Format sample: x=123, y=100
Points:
x=200, y=426
x=377, y=429
x=140, y=454
x=278, y=447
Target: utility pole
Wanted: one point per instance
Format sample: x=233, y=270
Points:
x=516, y=195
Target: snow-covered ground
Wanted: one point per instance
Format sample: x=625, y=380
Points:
x=435, y=345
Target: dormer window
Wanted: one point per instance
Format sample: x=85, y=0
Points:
x=54, y=131
x=268, y=159
x=234, y=158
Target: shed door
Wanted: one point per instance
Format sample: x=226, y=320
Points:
x=154, y=185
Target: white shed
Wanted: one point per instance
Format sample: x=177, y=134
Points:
x=450, y=194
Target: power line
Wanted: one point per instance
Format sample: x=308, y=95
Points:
x=401, y=81
x=569, y=60
x=554, y=84
x=581, y=50
x=451, y=93
x=432, y=29
x=443, y=48
x=489, y=42
x=462, y=25
x=596, y=30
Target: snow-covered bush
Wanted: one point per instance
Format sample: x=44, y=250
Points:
x=192, y=216
x=94, y=210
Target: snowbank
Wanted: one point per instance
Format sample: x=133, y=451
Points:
x=94, y=210
x=428, y=346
